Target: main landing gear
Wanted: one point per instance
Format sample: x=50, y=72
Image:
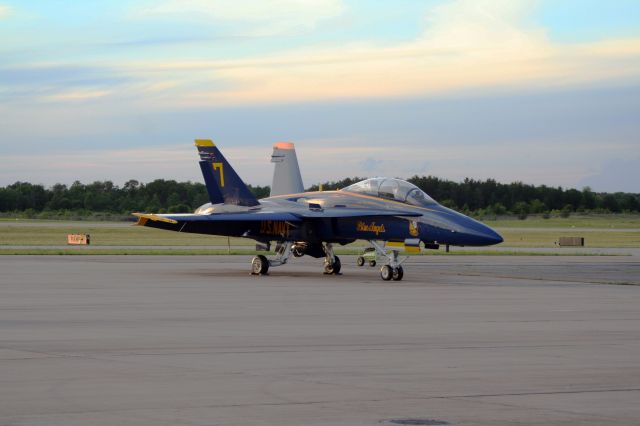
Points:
x=392, y=270
x=260, y=264
x=332, y=263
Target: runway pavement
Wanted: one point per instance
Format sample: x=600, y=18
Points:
x=196, y=340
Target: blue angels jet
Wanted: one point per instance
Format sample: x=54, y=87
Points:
x=391, y=214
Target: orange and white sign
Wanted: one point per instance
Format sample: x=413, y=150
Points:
x=78, y=239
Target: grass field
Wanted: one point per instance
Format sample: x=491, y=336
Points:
x=47, y=237
x=105, y=234
x=548, y=238
x=599, y=221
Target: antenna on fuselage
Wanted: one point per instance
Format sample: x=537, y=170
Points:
x=286, y=174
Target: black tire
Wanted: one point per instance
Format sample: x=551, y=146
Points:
x=372, y=263
x=259, y=265
x=386, y=273
x=265, y=264
x=360, y=261
x=333, y=268
x=336, y=265
x=397, y=273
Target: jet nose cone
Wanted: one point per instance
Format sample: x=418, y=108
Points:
x=487, y=236
x=482, y=235
x=493, y=237
x=466, y=231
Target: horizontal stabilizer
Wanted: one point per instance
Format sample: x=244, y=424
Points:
x=143, y=218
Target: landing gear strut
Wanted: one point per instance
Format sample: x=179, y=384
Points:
x=332, y=263
x=260, y=264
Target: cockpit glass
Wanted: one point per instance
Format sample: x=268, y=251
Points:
x=416, y=197
x=392, y=189
x=369, y=186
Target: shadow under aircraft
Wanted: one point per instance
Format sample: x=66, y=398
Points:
x=391, y=214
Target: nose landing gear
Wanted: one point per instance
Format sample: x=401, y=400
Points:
x=388, y=273
x=392, y=270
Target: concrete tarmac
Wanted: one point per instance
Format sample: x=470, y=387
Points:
x=196, y=340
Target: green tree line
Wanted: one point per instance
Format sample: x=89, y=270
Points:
x=159, y=196
x=478, y=197
x=481, y=197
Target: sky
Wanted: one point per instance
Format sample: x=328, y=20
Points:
x=537, y=91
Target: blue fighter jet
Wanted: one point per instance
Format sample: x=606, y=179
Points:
x=391, y=214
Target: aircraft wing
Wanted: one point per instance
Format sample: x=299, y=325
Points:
x=297, y=216
x=216, y=217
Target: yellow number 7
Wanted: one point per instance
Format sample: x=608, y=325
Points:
x=218, y=166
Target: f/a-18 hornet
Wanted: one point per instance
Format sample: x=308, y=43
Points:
x=391, y=214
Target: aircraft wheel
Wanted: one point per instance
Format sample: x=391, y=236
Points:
x=386, y=273
x=397, y=273
x=336, y=265
x=297, y=252
x=360, y=261
x=259, y=265
x=333, y=268
x=372, y=263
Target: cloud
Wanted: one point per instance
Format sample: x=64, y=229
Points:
x=4, y=11
x=619, y=174
x=87, y=166
x=58, y=83
x=255, y=17
x=333, y=159
x=119, y=165
x=371, y=165
x=78, y=95
x=465, y=45
x=352, y=108
x=508, y=137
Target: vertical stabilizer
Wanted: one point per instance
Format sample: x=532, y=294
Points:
x=222, y=182
x=286, y=174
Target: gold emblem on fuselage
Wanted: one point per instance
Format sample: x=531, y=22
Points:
x=370, y=227
x=413, y=228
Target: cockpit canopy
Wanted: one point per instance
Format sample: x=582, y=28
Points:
x=392, y=189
